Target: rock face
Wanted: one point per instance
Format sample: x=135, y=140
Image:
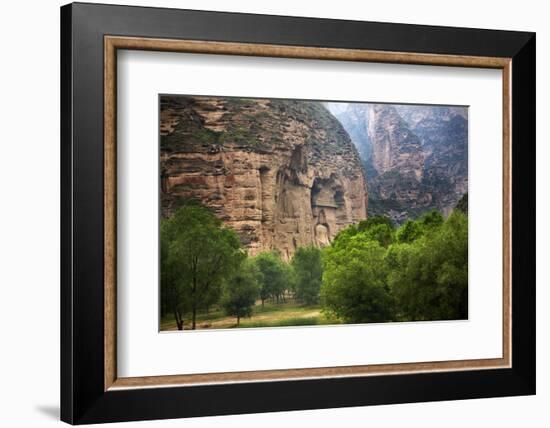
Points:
x=395, y=147
x=398, y=160
x=415, y=157
x=444, y=135
x=355, y=120
x=281, y=173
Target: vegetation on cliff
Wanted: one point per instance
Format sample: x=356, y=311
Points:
x=282, y=174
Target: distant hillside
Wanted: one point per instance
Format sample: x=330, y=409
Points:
x=415, y=157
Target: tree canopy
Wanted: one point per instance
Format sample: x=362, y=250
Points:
x=374, y=273
x=308, y=274
x=354, y=281
x=429, y=276
x=197, y=253
x=241, y=290
x=275, y=276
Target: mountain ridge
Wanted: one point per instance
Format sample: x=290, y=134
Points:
x=406, y=178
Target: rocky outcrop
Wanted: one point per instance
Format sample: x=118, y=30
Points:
x=394, y=146
x=282, y=173
x=443, y=132
x=398, y=159
x=415, y=157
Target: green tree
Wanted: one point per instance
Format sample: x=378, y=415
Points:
x=417, y=272
x=429, y=276
x=275, y=276
x=241, y=290
x=381, y=233
x=374, y=221
x=432, y=220
x=197, y=253
x=409, y=232
x=172, y=288
x=354, y=281
x=414, y=229
x=308, y=273
x=378, y=228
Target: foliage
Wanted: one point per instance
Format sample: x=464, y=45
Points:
x=354, y=286
x=241, y=290
x=409, y=232
x=413, y=230
x=374, y=221
x=377, y=228
x=374, y=273
x=308, y=273
x=275, y=276
x=429, y=276
x=381, y=233
x=172, y=289
x=371, y=272
x=431, y=220
x=238, y=135
x=206, y=136
x=197, y=254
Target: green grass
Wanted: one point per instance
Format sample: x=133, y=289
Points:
x=239, y=135
x=272, y=314
x=168, y=323
x=285, y=322
x=206, y=136
x=276, y=307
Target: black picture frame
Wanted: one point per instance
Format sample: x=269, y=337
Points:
x=83, y=398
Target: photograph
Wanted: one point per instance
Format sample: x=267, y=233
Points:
x=287, y=212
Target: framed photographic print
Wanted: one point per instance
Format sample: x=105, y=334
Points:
x=266, y=213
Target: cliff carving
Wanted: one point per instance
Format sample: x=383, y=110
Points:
x=281, y=173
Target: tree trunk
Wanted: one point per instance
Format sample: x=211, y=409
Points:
x=194, y=324
x=262, y=303
x=179, y=321
x=238, y=320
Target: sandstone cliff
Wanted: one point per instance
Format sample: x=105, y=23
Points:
x=282, y=173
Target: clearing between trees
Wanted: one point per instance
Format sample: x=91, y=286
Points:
x=290, y=313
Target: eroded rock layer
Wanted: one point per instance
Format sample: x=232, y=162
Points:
x=282, y=173
x=415, y=157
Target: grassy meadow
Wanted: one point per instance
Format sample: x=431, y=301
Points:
x=290, y=313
